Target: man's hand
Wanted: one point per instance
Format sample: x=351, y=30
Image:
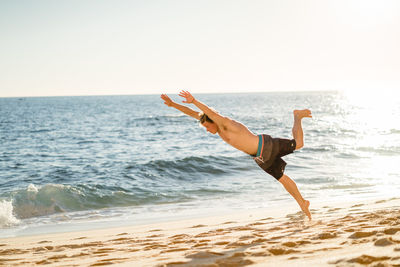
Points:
x=187, y=95
x=167, y=100
x=188, y=111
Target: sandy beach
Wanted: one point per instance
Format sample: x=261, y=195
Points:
x=357, y=234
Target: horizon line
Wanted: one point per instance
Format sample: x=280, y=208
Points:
x=211, y=93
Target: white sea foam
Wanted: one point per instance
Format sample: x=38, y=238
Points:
x=7, y=217
x=32, y=188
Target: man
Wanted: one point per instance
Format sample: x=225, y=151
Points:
x=265, y=150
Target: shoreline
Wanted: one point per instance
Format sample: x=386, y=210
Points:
x=339, y=235
x=163, y=213
x=163, y=216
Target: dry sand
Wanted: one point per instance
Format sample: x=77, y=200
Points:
x=360, y=234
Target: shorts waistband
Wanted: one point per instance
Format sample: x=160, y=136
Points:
x=260, y=145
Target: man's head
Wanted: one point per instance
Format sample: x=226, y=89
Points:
x=208, y=123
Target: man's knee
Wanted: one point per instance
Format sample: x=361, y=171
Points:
x=299, y=145
x=283, y=179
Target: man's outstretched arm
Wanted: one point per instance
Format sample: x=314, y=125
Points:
x=215, y=116
x=188, y=111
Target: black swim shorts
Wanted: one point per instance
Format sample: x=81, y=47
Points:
x=270, y=153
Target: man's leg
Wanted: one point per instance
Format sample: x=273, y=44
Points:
x=288, y=183
x=291, y=187
x=297, y=129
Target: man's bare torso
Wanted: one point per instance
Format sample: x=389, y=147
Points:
x=239, y=136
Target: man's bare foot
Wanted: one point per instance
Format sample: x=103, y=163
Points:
x=304, y=113
x=305, y=209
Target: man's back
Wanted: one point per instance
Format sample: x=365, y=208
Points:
x=239, y=136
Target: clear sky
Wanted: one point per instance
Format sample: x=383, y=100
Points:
x=81, y=47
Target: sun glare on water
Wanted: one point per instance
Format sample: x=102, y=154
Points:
x=377, y=110
x=375, y=119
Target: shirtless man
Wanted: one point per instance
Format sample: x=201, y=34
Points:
x=266, y=151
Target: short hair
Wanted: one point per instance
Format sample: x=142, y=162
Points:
x=204, y=118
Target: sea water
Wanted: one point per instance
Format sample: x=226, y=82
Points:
x=67, y=163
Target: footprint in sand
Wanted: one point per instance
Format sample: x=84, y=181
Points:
x=257, y=234
x=221, y=243
x=201, y=243
x=292, y=244
x=366, y=226
x=229, y=222
x=37, y=250
x=334, y=209
x=108, y=261
x=268, y=218
x=206, y=234
x=154, y=246
x=276, y=228
x=180, y=236
x=383, y=242
x=42, y=262
x=120, y=239
x=384, y=222
x=362, y=220
x=246, y=237
x=80, y=255
x=236, y=244
x=347, y=218
x=256, y=223
x=57, y=257
x=372, y=216
x=198, y=226
x=44, y=241
x=366, y=259
x=281, y=251
x=178, y=242
x=154, y=236
x=104, y=250
x=391, y=231
x=92, y=244
x=260, y=254
x=83, y=237
x=59, y=249
x=335, y=225
x=324, y=236
x=289, y=244
x=243, y=228
x=72, y=246
x=122, y=234
x=360, y=234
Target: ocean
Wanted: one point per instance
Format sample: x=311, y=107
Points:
x=75, y=163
